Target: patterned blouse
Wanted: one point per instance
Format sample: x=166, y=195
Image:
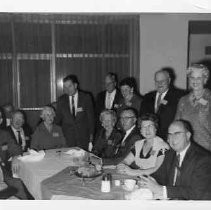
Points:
x=198, y=113
x=142, y=161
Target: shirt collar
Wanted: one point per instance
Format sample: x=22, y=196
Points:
x=75, y=95
x=129, y=130
x=182, y=154
x=112, y=93
x=16, y=130
x=162, y=94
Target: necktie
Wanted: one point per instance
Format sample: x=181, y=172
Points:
x=177, y=170
x=158, y=102
x=108, y=102
x=73, y=106
x=19, y=138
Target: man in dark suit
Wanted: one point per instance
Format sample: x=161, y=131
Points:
x=75, y=114
x=19, y=130
x=186, y=171
x=128, y=120
x=9, y=151
x=163, y=101
x=109, y=98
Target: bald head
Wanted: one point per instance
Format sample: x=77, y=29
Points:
x=162, y=81
x=179, y=135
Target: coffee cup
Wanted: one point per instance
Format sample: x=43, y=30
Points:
x=129, y=184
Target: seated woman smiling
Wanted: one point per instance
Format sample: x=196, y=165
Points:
x=148, y=154
x=47, y=135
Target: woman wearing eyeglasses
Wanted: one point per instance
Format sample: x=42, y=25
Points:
x=148, y=154
x=196, y=106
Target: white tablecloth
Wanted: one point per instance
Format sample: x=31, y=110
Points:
x=33, y=173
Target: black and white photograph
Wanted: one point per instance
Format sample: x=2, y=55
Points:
x=105, y=101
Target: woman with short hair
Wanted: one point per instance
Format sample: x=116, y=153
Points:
x=196, y=106
x=108, y=137
x=148, y=154
x=130, y=96
x=47, y=135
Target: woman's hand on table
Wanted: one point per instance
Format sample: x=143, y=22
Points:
x=124, y=169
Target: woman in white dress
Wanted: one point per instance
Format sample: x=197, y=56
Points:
x=148, y=154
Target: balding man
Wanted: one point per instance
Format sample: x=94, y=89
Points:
x=186, y=171
x=163, y=101
x=109, y=98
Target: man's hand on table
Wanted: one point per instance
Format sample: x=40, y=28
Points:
x=150, y=183
x=124, y=169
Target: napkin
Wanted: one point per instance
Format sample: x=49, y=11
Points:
x=140, y=194
x=76, y=152
x=33, y=156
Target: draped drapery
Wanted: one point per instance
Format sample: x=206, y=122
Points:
x=38, y=50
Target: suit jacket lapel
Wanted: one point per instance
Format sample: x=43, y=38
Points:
x=187, y=159
x=166, y=98
x=80, y=102
x=153, y=100
x=12, y=133
x=172, y=164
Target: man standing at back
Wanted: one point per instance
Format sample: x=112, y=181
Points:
x=75, y=114
x=109, y=98
x=163, y=101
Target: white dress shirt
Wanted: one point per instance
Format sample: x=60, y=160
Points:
x=109, y=99
x=15, y=131
x=156, y=98
x=75, y=102
x=127, y=134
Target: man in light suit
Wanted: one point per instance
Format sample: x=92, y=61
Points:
x=75, y=114
x=109, y=98
x=163, y=101
x=186, y=171
x=128, y=118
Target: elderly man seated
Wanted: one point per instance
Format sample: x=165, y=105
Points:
x=186, y=171
x=19, y=130
x=128, y=120
x=8, y=153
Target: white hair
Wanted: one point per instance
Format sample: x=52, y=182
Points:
x=199, y=67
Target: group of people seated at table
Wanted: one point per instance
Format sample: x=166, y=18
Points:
x=140, y=136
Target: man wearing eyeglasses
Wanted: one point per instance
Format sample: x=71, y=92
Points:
x=186, y=171
x=163, y=101
x=128, y=118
